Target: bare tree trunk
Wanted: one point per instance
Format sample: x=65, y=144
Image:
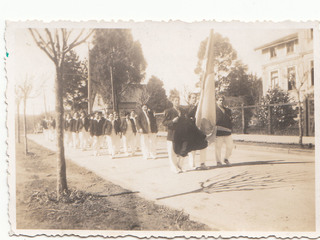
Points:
x=61, y=168
x=300, y=124
x=25, y=126
x=18, y=120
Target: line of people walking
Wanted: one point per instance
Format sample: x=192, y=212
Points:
x=106, y=130
x=102, y=130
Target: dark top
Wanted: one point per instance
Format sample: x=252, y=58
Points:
x=97, y=127
x=117, y=126
x=75, y=125
x=223, y=120
x=142, y=122
x=124, y=126
x=84, y=123
x=107, y=127
x=169, y=115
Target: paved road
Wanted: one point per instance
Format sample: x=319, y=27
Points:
x=263, y=190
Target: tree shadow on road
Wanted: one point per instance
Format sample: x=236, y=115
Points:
x=268, y=162
x=249, y=180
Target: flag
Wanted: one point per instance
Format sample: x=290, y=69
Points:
x=206, y=111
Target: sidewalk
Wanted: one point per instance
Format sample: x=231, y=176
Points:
x=260, y=191
x=265, y=138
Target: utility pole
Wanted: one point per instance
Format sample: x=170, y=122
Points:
x=112, y=85
x=89, y=82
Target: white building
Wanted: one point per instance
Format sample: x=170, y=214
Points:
x=288, y=62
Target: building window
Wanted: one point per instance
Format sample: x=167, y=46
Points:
x=273, y=53
x=291, y=78
x=274, y=79
x=312, y=73
x=290, y=47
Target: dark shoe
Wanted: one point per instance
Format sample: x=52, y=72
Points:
x=226, y=161
x=203, y=167
x=219, y=164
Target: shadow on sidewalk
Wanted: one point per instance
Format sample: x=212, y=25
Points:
x=247, y=181
x=269, y=162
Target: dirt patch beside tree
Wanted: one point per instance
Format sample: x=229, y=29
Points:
x=92, y=203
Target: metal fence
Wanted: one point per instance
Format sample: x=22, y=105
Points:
x=272, y=119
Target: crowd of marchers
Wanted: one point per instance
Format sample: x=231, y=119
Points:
x=106, y=130
x=137, y=130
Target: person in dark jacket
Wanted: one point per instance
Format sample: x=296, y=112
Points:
x=116, y=138
x=171, y=118
x=75, y=127
x=84, y=130
x=67, y=130
x=109, y=134
x=97, y=131
x=147, y=127
x=128, y=130
x=224, y=127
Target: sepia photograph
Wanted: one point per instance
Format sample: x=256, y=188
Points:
x=162, y=128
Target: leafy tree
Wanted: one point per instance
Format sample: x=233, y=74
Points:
x=75, y=89
x=115, y=53
x=223, y=56
x=56, y=43
x=158, y=100
x=282, y=116
x=247, y=87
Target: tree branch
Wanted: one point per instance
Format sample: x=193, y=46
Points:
x=51, y=42
x=75, y=43
x=41, y=43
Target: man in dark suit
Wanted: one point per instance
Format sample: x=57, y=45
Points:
x=128, y=130
x=84, y=130
x=147, y=127
x=75, y=127
x=171, y=117
x=97, y=131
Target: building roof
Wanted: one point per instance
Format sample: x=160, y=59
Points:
x=279, y=41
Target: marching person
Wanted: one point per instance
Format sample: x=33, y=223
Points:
x=137, y=138
x=84, y=130
x=52, y=128
x=44, y=124
x=171, y=117
x=191, y=114
x=116, y=138
x=75, y=127
x=147, y=127
x=223, y=135
x=67, y=130
x=109, y=135
x=128, y=130
x=96, y=130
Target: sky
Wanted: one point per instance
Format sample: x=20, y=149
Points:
x=170, y=50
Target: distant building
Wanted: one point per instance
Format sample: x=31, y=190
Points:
x=288, y=62
x=132, y=98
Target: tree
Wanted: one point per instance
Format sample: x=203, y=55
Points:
x=303, y=76
x=223, y=56
x=75, y=89
x=18, y=99
x=25, y=90
x=282, y=116
x=116, y=63
x=56, y=43
x=158, y=100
